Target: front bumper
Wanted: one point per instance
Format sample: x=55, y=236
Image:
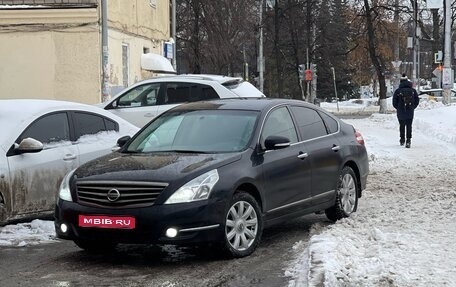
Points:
x=196, y=222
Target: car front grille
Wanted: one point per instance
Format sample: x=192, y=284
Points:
x=118, y=194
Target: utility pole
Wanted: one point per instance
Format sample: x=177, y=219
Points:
x=447, y=78
x=260, y=49
x=313, y=92
x=307, y=82
x=173, y=20
x=104, y=50
x=415, y=43
x=335, y=87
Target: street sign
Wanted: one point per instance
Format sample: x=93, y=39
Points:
x=437, y=72
x=301, y=70
x=396, y=64
x=438, y=57
x=168, y=50
x=308, y=75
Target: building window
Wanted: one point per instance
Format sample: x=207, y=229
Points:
x=125, y=64
x=153, y=3
x=146, y=50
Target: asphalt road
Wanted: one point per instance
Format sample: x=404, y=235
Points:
x=63, y=264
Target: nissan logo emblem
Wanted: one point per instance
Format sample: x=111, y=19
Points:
x=113, y=195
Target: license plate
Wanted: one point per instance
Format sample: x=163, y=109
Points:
x=102, y=221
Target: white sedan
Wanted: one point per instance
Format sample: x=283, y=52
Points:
x=40, y=142
x=145, y=100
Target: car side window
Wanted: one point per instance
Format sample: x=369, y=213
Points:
x=203, y=93
x=279, y=123
x=111, y=125
x=50, y=128
x=310, y=124
x=331, y=123
x=88, y=124
x=208, y=93
x=144, y=95
x=177, y=93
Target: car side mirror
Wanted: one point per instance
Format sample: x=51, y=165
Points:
x=123, y=140
x=276, y=142
x=28, y=145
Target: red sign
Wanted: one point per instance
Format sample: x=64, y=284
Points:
x=101, y=221
x=308, y=75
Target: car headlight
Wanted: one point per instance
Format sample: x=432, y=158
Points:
x=197, y=189
x=64, y=191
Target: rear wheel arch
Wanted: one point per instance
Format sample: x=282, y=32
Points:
x=346, y=196
x=355, y=169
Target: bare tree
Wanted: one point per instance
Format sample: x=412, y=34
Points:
x=357, y=38
x=190, y=34
x=212, y=35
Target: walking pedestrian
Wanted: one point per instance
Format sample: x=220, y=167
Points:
x=405, y=101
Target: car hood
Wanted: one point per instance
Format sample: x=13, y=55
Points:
x=159, y=167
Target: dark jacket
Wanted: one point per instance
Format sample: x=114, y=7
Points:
x=403, y=112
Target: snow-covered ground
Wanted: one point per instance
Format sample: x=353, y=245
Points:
x=24, y=234
x=404, y=231
x=357, y=106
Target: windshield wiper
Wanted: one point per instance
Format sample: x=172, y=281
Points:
x=184, y=151
x=129, y=151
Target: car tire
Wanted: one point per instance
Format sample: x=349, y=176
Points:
x=346, y=196
x=243, y=226
x=95, y=246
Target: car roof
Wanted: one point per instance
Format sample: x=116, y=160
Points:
x=34, y=106
x=256, y=104
x=192, y=77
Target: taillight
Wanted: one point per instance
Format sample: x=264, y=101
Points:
x=359, y=137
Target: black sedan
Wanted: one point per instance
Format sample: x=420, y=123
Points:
x=216, y=171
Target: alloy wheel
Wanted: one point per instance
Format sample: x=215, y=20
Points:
x=241, y=225
x=347, y=193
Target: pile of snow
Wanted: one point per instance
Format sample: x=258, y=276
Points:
x=404, y=231
x=356, y=106
x=25, y=234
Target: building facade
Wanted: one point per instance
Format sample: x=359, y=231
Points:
x=52, y=49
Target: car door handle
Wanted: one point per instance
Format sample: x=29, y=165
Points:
x=69, y=157
x=149, y=115
x=335, y=148
x=302, y=155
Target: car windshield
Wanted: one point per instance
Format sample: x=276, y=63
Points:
x=198, y=131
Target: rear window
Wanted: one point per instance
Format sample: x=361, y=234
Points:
x=331, y=123
x=310, y=124
x=89, y=124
